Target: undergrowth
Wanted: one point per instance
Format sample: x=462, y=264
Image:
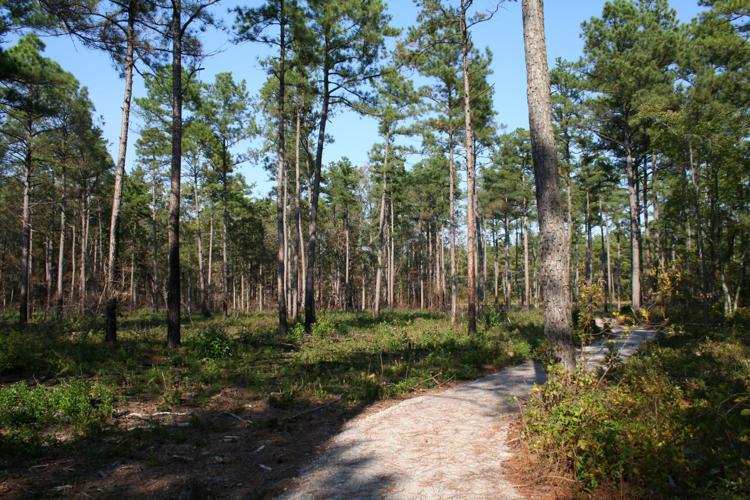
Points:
x=673, y=421
x=351, y=357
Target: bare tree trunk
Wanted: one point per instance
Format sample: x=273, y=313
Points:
x=313, y=229
x=604, y=257
x=61, y=251
x=73, y=268
x=392, y=268
x=381, y=232
x=154, y=248
x=470, y=174
x=84, y=248
x=589, y=241
x=299, y=244
x=199, y=245
x=506, y=272
x=23, y=303
x=554, y=250
x=174, y=289
x=109, y=292
x=452, y=195
x=210, y=278
x=280, y=178
x=699, y=234
x=635, y=232
x=526, y=278
x=224, y=245
x=48, y=269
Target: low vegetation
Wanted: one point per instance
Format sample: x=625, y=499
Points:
x=673, y=421
x=67, y=383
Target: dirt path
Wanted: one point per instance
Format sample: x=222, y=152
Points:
x=449, y=444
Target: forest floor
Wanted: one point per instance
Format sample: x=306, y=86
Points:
x=236, y=412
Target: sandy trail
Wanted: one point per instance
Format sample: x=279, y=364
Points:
x=449, y=444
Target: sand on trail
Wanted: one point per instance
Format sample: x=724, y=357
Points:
x=448, y=444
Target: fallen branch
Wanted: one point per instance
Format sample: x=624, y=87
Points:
x=311, y=410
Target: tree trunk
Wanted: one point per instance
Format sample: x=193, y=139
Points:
x=84, y=249
x=224, y=241
x=280, y=178
x=61, y=251
x=554, y=250
x=154, y=248
x=699, y=234
x=470, y=165
x=313, y=229
x=174, y=289
x=507, y=287
x=452, y=195
x=111, y=296
x=526, y=278
x=381, y=231
x=199, y=245
x=23, y=303
x=635, y=233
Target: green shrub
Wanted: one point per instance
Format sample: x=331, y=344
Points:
x=26, y=413
x=213, y=343
x=323, y=328
x=297, y=332
x=673, y=421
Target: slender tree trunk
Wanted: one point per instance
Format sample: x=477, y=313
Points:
x=73, y=267
x=299, y=245
x=85, y=220
x=699, y=234
x=506, y=272
x=154, y=248
x=635, y=232
x=110, y=294
x=48, y=269
x=280, y=177
x=392, y=268
x=224, y=242
x=23, y=303
x=452, y=195
x=589, y=242
x=199, y=245
x=526, y=277
x=604, y=257
x=61, y=250
x=381, y=231
x=558, y=323
x=313, y=229
x=470, y=174
x=210, y=277
x=174, y=289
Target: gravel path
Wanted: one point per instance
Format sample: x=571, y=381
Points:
x=449, y=444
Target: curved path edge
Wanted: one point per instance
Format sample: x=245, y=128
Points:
x=447, y=444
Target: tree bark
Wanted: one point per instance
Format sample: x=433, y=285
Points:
x=554, y=249
x=381, y=232
x=174, y=289
x=313, y=229
x=280, y=178
x=23, y=303
x=452, y=194
x=470, y=178
x=61, y=250
x=109, y=285
x=635, y=232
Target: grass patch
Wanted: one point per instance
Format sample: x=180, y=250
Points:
x=351, y=356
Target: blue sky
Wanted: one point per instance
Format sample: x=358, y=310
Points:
x=353, y=134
